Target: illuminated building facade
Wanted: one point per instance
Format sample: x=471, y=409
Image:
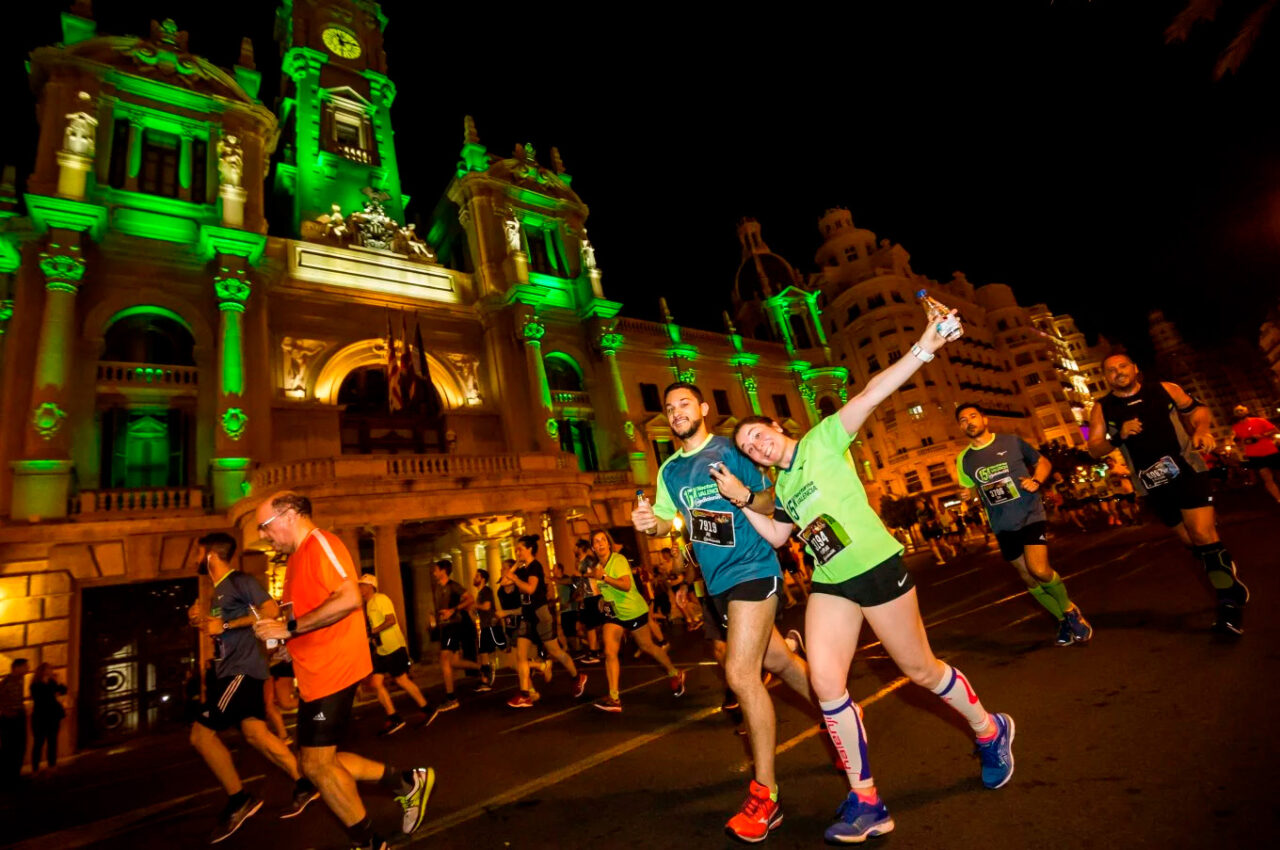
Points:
x=166, y=362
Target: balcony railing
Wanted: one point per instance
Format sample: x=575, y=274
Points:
x=571, y=399
x=148, y=374
x=140, y=501
x=406, y=467
x=612, y=477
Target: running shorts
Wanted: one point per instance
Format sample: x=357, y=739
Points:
x=1188, y=491
x=456, y=637
x=536, y=625
x=629, y=625
x=283, y=670
x=569, y=623
x=394, y=664
x=1013, y=542
x=884, y=582
x=589, y=614
x=1271, y=461
x=662, y=603
x=231, y=700
x=323, y=722
x=493, y=639
x=754, y=590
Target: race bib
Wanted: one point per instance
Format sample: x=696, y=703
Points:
x=1160, y=473
x=1001, y=491
x=715, y=528
x=825, y=538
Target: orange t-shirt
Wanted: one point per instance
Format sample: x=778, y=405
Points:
x=327, y=660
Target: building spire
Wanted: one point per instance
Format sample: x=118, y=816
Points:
x=469, y=134
x=246, y=54
x=474, y=155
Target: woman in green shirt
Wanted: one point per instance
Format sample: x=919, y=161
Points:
x=858, y=575
x=624, y=611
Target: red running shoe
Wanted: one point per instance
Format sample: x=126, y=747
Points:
x=758, y=816
x=677, y=684
x=520, y=701
x=579, y=685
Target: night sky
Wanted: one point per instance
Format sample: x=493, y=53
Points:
x=1061, y=148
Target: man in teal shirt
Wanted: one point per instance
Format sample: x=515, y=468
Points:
x=742, y=577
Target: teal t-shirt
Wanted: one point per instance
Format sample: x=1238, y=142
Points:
x=823, y=496
x=627, y=605
x=995, y=471
x=726, y=547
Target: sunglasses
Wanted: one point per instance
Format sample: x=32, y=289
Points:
x=262, y=526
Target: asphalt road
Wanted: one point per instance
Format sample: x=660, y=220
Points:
x=1158, y=734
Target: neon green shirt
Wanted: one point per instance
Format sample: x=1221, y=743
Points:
x=823, y=496
x=626, y=605
x=391, y=638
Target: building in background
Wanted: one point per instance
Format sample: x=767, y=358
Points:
x=1221, y=377
x=167, y=363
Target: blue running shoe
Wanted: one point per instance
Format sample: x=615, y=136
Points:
x=857, y=821
x=1080, y=628
x=997, y=754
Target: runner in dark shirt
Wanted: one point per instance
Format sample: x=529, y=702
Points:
x=536, y=626
x=1149, y=424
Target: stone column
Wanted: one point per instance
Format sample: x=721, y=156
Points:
x=42, y=478
x=230, y=462
x=810, y=408
x=351, y=539
x=562, y=537
x=135, y=155
x=545, y=430
x=493, y=559
x=753, y=393
x=386, y=566
x=610, y=340
x=184, y=166
x=465, y=567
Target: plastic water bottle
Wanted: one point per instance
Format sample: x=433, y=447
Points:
x=948, y=326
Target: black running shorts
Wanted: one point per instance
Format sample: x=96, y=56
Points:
x=232, y=700
x=394, y=664
x=1188, y=491
x=569, y=623
x=323, y=723
x=283, y=670
x=630, y=625
x=536, y=625
x=492, y=639
x=1271, y=461
x=456, y=637
x=1013, y=542
x=884, y=582
x=589, y=614
x=755, y=590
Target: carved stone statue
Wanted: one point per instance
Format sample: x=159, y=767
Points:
x=467, y=368
x=81, y=130
x=335, y=227
x=407, y=241
x=230, y=161
x=588, y=251
x=512, y=226
x=297, y=354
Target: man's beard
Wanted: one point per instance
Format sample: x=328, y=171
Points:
x=694, y=425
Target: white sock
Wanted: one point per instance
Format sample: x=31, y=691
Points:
x=955, y=690
x=844, y=724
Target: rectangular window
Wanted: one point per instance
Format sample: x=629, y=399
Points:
x=199, y=171
x=650, y=400
x=879, y=461
x=781, y=406
x=913, y=481
x=894, y=355
x=663, y=449
x=875, y=301
x=854, y=312
x=119, y=168
x=873, y=364
x=939, y=476
x=1048, y=420
x=1039, y=400
x=889, y=332
x=916, y=411
x=889, y=416
x=722, y=402
x=897, y=297
x=864, y=342
x=1023, y=358
x=159, y=174
x=926, y=441
x=1031, y=380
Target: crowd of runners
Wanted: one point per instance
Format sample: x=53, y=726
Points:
x=759, y=520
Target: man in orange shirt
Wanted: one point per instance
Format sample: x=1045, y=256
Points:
x=330, y=652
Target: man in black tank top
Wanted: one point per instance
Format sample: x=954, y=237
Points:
x=1149, y=424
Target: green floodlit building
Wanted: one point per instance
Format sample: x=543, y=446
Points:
x=165, y=363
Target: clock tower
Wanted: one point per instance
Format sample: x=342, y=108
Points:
x=335, y=111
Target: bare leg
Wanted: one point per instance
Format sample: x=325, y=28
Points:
x=217, y=756
x=334, y=778
x=412, y=690
x=750, y=625
x=612, y=643
x=384, y=696
x=788, y=666
x=524, y=646
x=274, y=718
x=262, y=740
x=1269, y=481
x=657, y=653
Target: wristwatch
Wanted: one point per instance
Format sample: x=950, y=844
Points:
x=920, y=354
x=292, y=625
x=751, y=494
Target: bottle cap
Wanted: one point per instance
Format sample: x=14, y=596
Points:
x=922, y=293
x=639, y=493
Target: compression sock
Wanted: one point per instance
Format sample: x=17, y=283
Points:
x=955, y=690
x=1055, y=588
x=396, y=782
x=1221, y=570
x=1039, y=594
x=843, y=718
x=361, y=833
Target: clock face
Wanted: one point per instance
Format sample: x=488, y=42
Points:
x=341, y=42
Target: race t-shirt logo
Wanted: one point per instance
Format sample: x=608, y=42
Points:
x=986, y=473
x=692, y=497
x=806, y=492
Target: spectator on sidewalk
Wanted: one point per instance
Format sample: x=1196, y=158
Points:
x=13, y=724
x=46, y=716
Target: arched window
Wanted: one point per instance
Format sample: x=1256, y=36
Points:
x=563, y=373
x=149, y=335
x=827, y=406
